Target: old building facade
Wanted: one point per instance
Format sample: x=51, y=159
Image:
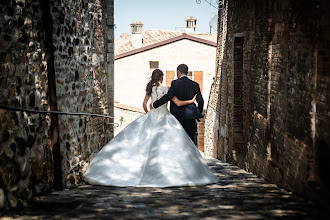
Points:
x=139, y=53
x=269, y=105
x=55, y=55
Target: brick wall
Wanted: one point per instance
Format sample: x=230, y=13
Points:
x=212, y=114
x=200, y=137
x=273, y=104
x=26, y=147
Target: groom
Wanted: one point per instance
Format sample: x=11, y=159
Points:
x=184, y=89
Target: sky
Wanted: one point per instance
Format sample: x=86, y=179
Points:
x=162, y=14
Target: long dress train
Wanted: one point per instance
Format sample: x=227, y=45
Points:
x=152, y=151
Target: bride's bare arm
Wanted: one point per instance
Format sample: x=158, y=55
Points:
x=183, y=103
x=145, y=101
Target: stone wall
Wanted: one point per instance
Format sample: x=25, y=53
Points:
x=81, y=83
x=124, y=115
x=274, y=99
x=25, y=153
x=26, y=144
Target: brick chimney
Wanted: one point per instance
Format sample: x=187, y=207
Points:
x=190, y=24
x=136, y=28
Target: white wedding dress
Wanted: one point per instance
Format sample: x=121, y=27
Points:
x=152, y=151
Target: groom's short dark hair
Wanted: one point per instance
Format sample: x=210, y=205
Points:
x=183, y=68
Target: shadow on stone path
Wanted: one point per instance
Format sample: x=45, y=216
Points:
x=238, y=195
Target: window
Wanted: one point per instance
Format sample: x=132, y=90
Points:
x=153, y=65
x=190, y=75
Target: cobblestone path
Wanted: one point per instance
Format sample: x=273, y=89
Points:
x=238, y=195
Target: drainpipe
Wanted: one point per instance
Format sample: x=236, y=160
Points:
x=54, y=128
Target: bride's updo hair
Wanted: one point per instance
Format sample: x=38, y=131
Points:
x=157, y=74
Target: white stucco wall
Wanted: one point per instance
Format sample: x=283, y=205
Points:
x=132, y=73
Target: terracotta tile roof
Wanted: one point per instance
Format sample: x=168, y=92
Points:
x=150, y=37
x=164, y=42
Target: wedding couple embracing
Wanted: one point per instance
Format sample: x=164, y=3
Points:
x=157, y=149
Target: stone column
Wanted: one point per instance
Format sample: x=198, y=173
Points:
x=108, y=13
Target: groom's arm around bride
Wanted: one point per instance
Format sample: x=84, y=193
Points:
x=183, y=88
x=173, y=92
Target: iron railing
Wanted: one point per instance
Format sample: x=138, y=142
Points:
x=56, y=112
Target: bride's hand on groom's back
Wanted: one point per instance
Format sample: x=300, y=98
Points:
x=193, y=100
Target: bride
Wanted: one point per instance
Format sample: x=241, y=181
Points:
x=152, y=151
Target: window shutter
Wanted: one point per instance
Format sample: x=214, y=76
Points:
x=169, y=78
x=198, y=77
